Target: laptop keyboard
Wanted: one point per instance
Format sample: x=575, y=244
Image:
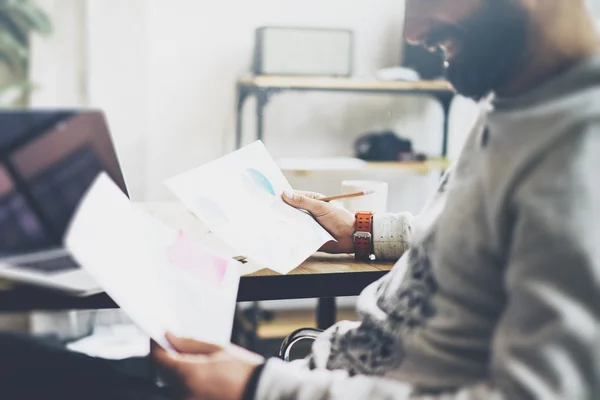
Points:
x=59, y=264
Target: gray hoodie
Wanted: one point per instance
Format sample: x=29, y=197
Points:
x=498, y=294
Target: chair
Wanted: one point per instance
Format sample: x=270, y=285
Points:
x=293, y=341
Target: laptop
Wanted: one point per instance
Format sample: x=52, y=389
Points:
x=48, y=160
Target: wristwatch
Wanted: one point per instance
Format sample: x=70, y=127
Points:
x=363, y=237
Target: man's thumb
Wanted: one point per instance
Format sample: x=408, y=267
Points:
x=313, y=206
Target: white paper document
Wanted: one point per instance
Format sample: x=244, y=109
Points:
x=162, y=278
x=238, y=197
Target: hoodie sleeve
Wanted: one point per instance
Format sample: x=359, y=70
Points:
x=391, y=235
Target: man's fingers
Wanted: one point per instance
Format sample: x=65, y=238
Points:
x=310, y=195
x=191, y=346
x=168, y=360
x=315, y=207
x=177, y=363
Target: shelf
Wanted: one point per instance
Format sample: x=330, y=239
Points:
x=330, y=83
x=416, y=167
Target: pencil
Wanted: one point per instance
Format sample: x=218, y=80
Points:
x=348, y=196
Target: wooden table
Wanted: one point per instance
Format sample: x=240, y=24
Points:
x=321, y=276
x=263, y=87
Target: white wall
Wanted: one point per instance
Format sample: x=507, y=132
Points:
x=58, y=62
x=165, y=73
x=118, y=59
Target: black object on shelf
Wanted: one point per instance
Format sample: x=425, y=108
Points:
x=382, y=146
x=385, y=146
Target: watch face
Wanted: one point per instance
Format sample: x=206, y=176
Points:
x=365, y=235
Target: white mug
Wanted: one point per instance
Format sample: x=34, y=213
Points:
x=375, y=202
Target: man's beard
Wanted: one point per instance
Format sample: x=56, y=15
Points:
x=491, y=43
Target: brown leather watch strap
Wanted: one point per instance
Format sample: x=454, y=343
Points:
x=363, y=238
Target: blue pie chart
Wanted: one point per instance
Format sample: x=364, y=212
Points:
x=254, y=179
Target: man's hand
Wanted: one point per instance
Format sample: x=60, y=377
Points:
x=205, y=371
x=336, y=220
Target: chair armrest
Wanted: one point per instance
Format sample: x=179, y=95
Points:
x=295, y=337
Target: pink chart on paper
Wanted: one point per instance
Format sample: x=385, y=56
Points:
x=188, y=254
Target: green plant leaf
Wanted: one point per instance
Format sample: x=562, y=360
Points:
x=12, y=52
x=22, y=17
x=18, y=19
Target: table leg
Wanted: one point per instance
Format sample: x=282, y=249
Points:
x=262, y=97
x=446, y=102
x=242, y=94
x=326, y=312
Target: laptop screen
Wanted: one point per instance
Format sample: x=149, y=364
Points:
x=48, y=159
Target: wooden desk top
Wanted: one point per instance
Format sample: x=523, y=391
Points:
x=322, y=263
x=322, y=275
x=329, y=83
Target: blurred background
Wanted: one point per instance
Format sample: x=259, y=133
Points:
x=166, y=75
